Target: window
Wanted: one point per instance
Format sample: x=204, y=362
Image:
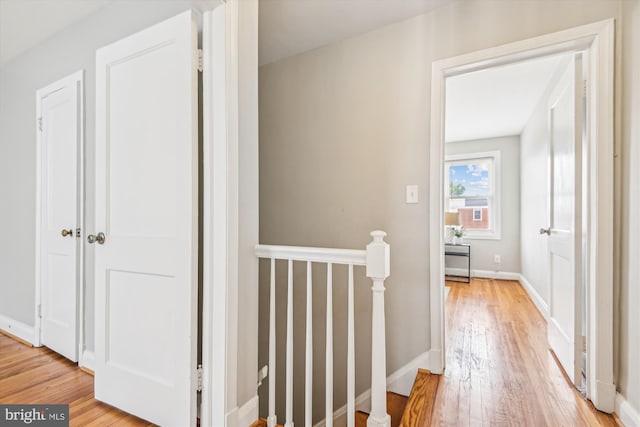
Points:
x=471, y=189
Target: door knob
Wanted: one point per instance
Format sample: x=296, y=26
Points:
x=100, y=237
x=545, y=231
x=66, y=233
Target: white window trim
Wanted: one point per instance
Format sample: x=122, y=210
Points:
x=494, y=233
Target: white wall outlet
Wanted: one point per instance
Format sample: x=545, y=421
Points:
x=412, y=194
x=496, y=259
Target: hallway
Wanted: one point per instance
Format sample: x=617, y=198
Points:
x=499, y=369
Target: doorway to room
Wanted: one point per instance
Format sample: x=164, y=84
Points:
x=596, y=40
x=513, y=182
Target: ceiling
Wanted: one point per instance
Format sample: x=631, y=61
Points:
x=289, y=27
x=27, y=23
x=483, y=104
x=286, y=27
x=496, y=101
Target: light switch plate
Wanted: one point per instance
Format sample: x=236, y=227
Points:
x=412, y=194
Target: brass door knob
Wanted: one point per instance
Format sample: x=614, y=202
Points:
x=66, y=233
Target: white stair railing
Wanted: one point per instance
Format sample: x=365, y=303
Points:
x=376, y=259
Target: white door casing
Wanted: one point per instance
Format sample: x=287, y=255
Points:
x=146, y=205
x=565, y=220
x=59, y=215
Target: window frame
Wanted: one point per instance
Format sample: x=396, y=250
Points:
x=494, y=230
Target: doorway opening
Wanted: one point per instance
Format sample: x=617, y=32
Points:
x=513, y=173
x=597, y=41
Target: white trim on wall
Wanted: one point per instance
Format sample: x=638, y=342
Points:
x=87, y=360
x=246, y=414
x=598, y=39
x=17, y=329
x=486, y=274
x=218, y=351
x=539, y=302
x=629, y=415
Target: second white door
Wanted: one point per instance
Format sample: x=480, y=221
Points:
x=565, y=220
x=59, y=108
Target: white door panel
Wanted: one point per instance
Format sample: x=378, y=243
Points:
x=59, y=108
x=146, y=204
x=565, y=204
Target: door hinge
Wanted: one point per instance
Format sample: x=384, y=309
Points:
x=200, y=61
x=199, y=378
x=584, y=344
x=40, y=124
x=584, y=88
x=40, y=310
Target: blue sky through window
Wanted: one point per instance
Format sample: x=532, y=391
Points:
x=474, y=176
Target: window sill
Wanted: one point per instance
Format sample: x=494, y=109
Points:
x=483, y=236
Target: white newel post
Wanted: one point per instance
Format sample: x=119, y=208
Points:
x=378, y=269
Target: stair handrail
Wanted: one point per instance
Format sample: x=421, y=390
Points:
x=376, y=259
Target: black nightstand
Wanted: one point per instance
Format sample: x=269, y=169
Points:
x=459, y=250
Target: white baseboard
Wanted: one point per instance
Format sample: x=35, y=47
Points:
x=17, y=329
x=505, y=275
x=245, y=415
x=629, y=415
x=249, y=412
x=88, y=360
x=543, y=307
x=435, y=361
x=399, y=382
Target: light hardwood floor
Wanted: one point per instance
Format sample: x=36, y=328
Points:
x=500, y=371
x=40, y=376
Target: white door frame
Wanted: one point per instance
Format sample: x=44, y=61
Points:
x=78, y=79
x=598, y=39
x=220, y=211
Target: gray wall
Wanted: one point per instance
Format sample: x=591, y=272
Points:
x=247, y=199
x=628, y=192
x=345, y=127
x=534, y=153
x=508, y=247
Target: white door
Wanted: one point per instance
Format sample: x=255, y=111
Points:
x=59, y=108
x=146, y=207
x=565, y=220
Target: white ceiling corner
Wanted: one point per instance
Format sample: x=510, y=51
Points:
x=496, y=101
x=290, y=27
x=27, y=23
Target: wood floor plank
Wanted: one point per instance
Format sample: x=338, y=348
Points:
x=39, y=376
x=419, y=408
x=500, y=371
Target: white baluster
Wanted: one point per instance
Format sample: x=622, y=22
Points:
x=351, y=366
x=308, y=382
x=378, y=269
x=289, y=373
x=272, y=419
x=329, y=345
